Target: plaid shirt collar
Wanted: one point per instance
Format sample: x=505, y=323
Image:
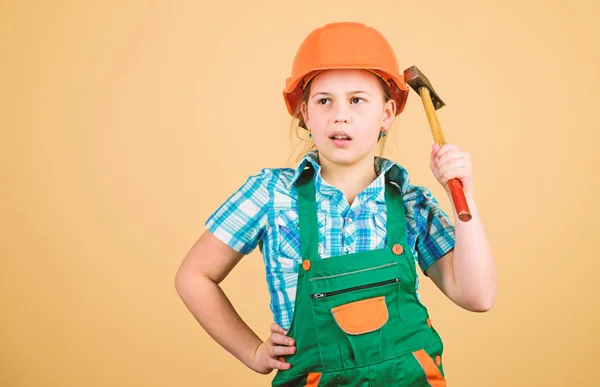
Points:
x=396, y=174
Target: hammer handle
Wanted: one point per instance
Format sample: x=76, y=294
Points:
x=454, y=185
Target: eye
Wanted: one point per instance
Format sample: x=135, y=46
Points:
x=357, y=100
x=322, y=101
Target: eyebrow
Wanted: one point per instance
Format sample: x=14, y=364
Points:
x=350, y=92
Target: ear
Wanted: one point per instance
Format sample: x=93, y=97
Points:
x=389, y=112
x=304, y=112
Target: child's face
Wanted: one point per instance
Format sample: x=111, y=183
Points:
x=348, y=103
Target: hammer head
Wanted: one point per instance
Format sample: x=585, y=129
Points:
x=415, y=78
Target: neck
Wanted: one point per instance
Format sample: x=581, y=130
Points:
x=351, y=179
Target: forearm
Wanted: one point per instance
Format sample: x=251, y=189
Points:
x=212, y=309
x=474, y=265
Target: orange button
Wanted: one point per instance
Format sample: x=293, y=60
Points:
x=429, y=322
x=306, y=265
x=282, y=360
x=397, y=249
x=438, y=360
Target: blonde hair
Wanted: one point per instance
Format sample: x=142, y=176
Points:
x=298, y=125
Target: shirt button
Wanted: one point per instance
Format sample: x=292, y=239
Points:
x=349, y=220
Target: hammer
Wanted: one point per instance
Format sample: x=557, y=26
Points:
x=432, y=102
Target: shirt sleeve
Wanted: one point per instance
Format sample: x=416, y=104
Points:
x=240, y=222
x=436, y=231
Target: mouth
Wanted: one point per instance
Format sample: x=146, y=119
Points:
x=340, y=139
x=340, y=136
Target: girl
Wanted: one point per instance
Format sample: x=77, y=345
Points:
x=342, y=235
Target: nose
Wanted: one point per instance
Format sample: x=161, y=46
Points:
x=341, y=114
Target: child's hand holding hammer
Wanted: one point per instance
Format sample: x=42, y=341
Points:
x=450, y=162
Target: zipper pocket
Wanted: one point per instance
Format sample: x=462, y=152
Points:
x=333, y=293
x=354, y=272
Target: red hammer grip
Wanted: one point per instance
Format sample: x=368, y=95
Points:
x=458, y=198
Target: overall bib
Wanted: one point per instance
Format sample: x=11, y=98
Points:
x=357, y=319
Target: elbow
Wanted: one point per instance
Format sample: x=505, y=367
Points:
x=479, y=297
x=180, y=282
x=178, y=285
x=189, y=284
x=482, y=303
x=475, y=300
x=483, y=306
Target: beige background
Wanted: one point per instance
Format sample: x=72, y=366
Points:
x=125, y=124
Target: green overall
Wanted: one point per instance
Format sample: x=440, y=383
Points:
x=357, y=319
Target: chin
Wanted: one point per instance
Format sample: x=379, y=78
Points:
x=341, y=156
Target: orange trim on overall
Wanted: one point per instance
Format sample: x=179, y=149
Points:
x=362, y=316
x=433, y=373
x=312, y=380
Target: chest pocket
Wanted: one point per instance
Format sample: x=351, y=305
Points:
x=288, y=237
x=379, y=220
x=380, y=227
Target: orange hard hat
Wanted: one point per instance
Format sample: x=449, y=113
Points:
x=344, y=45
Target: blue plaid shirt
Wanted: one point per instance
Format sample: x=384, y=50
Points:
x=264, y=213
